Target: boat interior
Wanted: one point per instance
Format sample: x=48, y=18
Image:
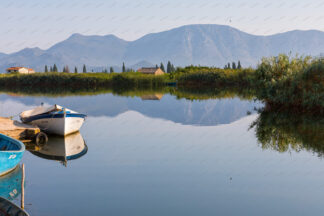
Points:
x=6, y=145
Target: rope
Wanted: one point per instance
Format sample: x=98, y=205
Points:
x=11, y=117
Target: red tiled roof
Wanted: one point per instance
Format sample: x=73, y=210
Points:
x=14, y=68
x=17, y=68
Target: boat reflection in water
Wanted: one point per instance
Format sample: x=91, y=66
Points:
x=62, y=149
x=10, y=184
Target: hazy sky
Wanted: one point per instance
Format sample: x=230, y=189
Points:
x=42, y=23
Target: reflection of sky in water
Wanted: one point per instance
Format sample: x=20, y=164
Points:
x=137, y=165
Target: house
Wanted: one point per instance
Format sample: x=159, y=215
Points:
x=151, y=70
x=21, y=70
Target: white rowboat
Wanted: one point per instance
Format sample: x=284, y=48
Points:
x=54, y=119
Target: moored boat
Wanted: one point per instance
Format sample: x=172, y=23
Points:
x=54, y=119
x=8, y=208
x=11, y=152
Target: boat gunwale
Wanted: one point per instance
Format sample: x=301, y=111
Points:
x=54, y=115
x=4, y=200
x=8, y=171
x=19, y=143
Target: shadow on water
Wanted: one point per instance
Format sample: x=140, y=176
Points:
x=284, y=132
x=62, y=149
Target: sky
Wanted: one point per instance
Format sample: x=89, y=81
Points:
x=42, y=23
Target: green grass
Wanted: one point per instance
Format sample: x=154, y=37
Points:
x=204, y=76
x=84, y=81
x=291, y=83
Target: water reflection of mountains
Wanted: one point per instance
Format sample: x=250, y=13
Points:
x=196, y=112
x=284, y=132
x=62, y=149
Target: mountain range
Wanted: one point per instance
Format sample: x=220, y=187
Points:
x=204, y=44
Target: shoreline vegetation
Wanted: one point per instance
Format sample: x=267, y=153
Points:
x=281, y=83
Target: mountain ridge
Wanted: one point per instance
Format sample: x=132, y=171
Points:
x=204, y=44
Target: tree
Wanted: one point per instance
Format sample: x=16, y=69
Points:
x=111, y=69
x=156, y=66
x=67, y=69
x=162, y=67
x=124, y=68
x=239, y=65
x=130, y=70
x=75, y=70
x=233, y=65
x=84, y=69
x=64, y=69
x=172, y=68
x=228, y=65
x=169, y=67
x=105, y=71
x=51, y=69
x=55, y=68
x=46, y=69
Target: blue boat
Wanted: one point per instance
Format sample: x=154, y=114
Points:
x=8, y=208
x=11, y=152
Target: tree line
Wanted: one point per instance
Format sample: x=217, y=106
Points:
x=233, y=65
x=170, y=68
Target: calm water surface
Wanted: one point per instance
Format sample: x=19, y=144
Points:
x=169, y=157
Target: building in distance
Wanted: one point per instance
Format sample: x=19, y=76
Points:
x=151, y=70
x=21, y=70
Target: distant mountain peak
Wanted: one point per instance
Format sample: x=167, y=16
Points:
x=204, y=44
x=75, y=35
x=81, y=36
x=33, y=50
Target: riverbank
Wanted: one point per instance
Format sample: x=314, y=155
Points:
x=281, y=82
x=53, y=80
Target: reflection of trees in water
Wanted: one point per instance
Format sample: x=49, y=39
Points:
x=201, y=93
x=282, y=131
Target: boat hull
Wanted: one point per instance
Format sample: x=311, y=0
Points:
x=60, y=124
x=9, y=208
x=10, y=159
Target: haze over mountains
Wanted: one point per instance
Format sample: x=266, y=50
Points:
x=212, y=45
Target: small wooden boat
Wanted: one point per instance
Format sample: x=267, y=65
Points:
x=8, y=208
x=11, y=152
x=54, y=119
